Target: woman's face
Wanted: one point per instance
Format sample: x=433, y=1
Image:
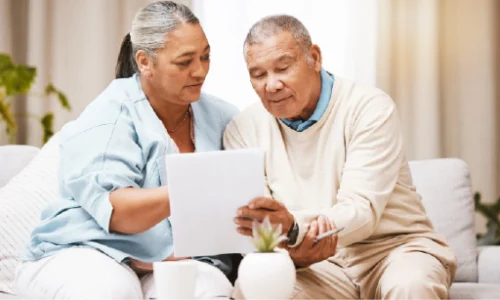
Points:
x=179, y=69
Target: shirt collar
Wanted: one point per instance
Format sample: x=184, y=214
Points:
x=324, y=96
x=327, y=81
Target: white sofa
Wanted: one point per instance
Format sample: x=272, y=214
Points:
x=443, y=183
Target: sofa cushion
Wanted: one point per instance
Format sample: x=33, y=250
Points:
x=13, y=158
x=474, y=291
x=488, y=264
x=4, y=296
x=444, y=185
x=21, y=202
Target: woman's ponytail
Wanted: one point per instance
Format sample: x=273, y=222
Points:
x=150, y=28
x=126, y=65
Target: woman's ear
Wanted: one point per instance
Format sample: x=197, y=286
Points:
x=144, y=63
x=315, y=59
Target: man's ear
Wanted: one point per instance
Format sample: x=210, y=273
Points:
x=144, y=62
x=315, y=57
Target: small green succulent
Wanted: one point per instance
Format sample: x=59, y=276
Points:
x=265, y=237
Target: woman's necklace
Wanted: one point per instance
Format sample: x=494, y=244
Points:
x=180, y=123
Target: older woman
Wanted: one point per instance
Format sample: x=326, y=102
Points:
x=110, y=223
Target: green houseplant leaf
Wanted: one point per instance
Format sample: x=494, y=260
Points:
x=63, y=100
x=5, y=62
x=7, y=116
x=47, y=122
x=18, y=80
x=491, y=212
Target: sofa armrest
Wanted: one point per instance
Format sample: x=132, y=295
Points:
x=488, y=264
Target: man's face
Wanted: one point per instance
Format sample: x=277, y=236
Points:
x=282, y=77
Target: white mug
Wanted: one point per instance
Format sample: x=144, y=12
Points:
x=175, y=279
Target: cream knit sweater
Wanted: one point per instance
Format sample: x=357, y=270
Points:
x=349, y=166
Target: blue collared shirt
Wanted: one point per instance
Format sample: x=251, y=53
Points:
x=327, y=82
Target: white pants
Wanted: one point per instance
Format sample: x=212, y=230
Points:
x=85, y=273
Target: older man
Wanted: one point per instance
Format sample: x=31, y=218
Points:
x=334, y=158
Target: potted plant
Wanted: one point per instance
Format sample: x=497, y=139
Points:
x=491, y=211
x=16, y=80
x=267, y=273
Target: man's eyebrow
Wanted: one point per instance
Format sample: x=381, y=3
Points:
x=253, y=69
x=285, y=57
x=191, y=53
x=282, y=58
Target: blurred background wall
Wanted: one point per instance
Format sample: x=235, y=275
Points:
x=438, y=59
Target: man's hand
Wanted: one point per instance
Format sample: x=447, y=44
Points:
x=257, y=210
x=309, y=252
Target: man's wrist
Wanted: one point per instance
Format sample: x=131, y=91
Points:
x=299, y=263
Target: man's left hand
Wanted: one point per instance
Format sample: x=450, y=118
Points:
x=309, y=252
x=258, y=209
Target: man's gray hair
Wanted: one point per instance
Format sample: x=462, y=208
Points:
x=272, y=25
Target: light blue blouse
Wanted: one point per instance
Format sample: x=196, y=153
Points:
x=118, y=141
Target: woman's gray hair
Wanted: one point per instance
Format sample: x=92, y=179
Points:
x=272, y=25
x=149, y=29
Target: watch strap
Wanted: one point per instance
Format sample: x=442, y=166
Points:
x=293, y=233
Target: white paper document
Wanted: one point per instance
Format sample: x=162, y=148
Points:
x=205, y=190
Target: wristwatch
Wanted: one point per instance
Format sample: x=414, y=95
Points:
x=293, y=233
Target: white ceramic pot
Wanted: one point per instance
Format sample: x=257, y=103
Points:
x=267, y=275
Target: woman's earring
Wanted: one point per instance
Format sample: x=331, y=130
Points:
x=147, y=74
